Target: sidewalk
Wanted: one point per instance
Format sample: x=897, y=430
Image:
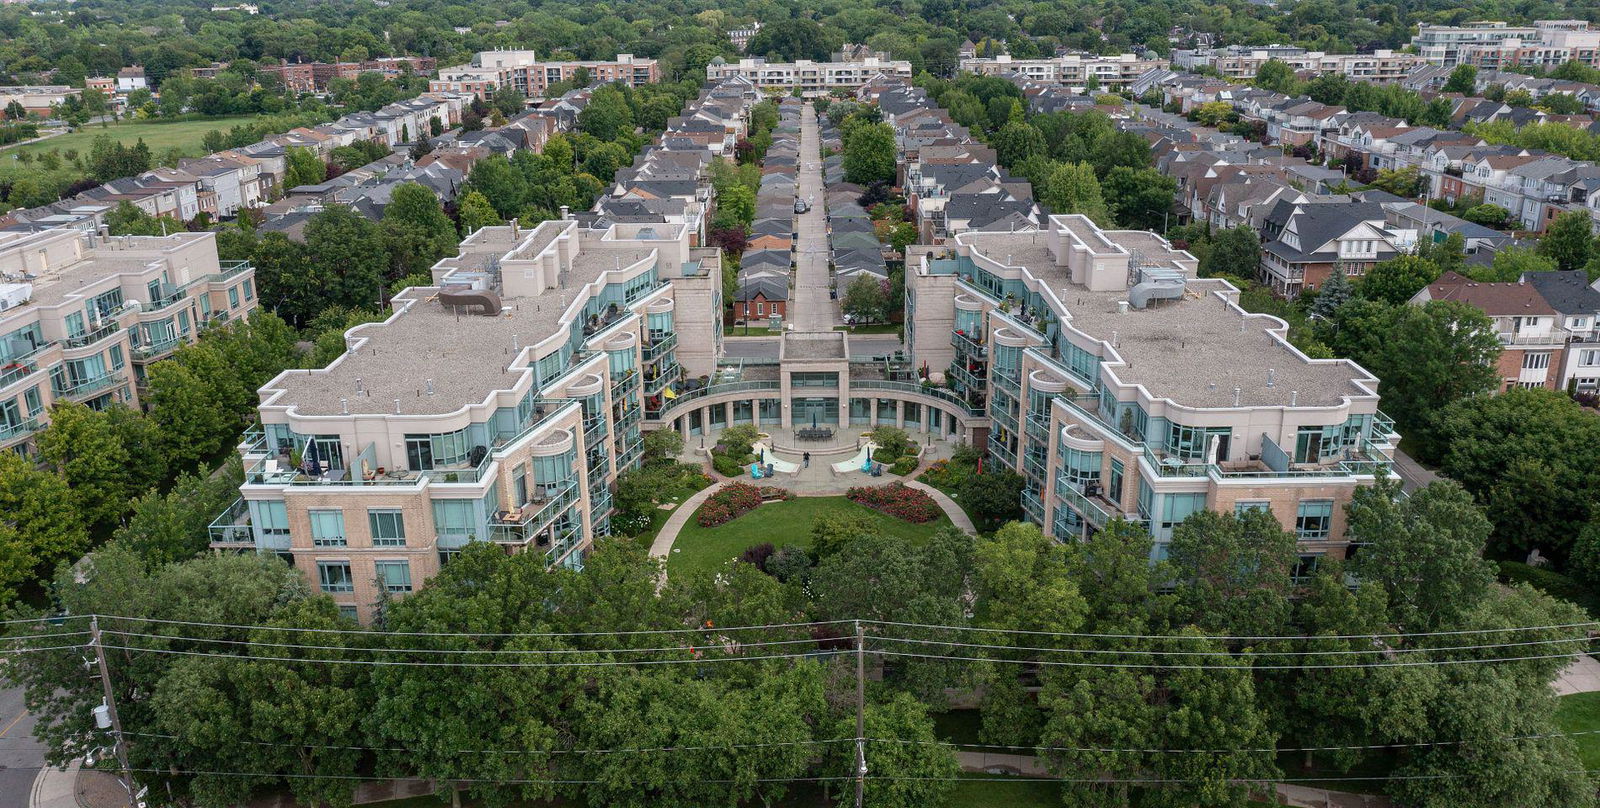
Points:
x=76, y=787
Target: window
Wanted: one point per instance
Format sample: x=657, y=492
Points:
x=1113, y=491
x=335, y=576
x=233, y=298
x=1589, y=357
x=447, y=556
x=1536, y=361
x=249, y=290
x=327, y=528
x=1314, y=519
x=1305, y=567
x=761, y=309
x=1245, y=506
x=271, y=518
x=394, y=576
x=388, y=527
x=348, y=613
x=33, y=400
x=1179, y=507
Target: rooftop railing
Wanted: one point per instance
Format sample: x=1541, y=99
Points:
x=232, y=526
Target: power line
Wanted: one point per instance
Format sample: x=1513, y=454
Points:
x=1232, y=654
x=496, y=781
x=1240, y=667
x=700, y=630
x=1261, y=750
x=640, y=750
x=45, y=648
x=452, y=664
x=712, y=645
x=52, y=636
x=1236, y=638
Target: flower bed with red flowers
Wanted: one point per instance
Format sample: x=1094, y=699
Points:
x=736, y=500
x=898, y=500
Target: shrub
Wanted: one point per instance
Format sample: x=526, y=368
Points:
x=893, y=441
x=737, y=440
x=726, y=466
x=789, y=563
x=736, y=500
x=904, y=466
x=758, y=555
x=898, y=500
x=1551, y=583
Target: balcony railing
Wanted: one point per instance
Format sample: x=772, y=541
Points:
x=594, y=432
x=1383, y=427
x=1000, y=449
x=669, y=374
x=964, y=342
x=15, y=370
x=1003, y=416
x=1092, y=512
x=717, y=389
x=229, y=270
x=232, y=526
x=656, y=349
x=91, y=337
x=967, y=376
x=1037, y=428
x=525, y=525
x=942, y=393
x=90, y=387
x=159, y=303
x=1008, y=379
x=9, y=432
x=1032, y=506
x=158, y=349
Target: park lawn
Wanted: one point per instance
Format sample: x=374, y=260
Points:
x=159, y=135
x=876, y=328
x=1580, y=712
x=780, y=523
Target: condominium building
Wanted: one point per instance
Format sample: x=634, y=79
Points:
x=1241, y=63
x=1554, y=43
x=82, y=315
x=808, y=76
x=1120, y=385
x=1073, y=69
x=523, y=71
x=1442, y=44
x=499, y=405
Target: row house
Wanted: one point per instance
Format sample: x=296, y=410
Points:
x=1242, y=63
x=1545, y=321
x=1305, y=242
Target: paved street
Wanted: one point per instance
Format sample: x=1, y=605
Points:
x=21, y=757
x=810, y=309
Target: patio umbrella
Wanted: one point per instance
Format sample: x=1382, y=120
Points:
x=309, y=459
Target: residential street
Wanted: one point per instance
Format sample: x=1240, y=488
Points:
x=809, y=306
x=21, y=757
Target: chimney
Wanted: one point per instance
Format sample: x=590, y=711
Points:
x=344, y=405
x=566, y=213
x=397, y=406
x=1294, y=398
x=1237, y=397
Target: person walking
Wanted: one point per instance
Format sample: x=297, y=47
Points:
x=805, y=457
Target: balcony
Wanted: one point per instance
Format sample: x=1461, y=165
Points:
x=631, y=453
x=594, y=431
x=563, y=543
x=156, y=350
x=91, y=337
x=157, y=304
x=1032, y=506
x=1002, y=450
x=966, y=344
x=21, y=429
x=232, y=526
x=524, y=524
x=1037, y=429
x=624, y=384
x=941, y=393
x=90, y=388
x=1527, y=338
x=726, y=387
x=669, y=373
x=659, y=346
x=1008, y=379
x=15, y=370
x=1091, y=510
x=229, y=270
x=1003, y=416
x=969, y=374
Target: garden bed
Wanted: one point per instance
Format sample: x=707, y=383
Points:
x=898, y=500
x=736, y=500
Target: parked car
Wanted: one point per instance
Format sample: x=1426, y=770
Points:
x=800, y=206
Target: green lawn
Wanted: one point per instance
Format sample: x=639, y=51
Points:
x=1580, y=712
x=781, y=523
x=159, y=135
x=876, y=328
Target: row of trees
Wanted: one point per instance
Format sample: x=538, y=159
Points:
x=1183, y=712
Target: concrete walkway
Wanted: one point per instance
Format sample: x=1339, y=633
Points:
x=1582, y=676
x=662, y=546
x=951, y=509
x=76, y=787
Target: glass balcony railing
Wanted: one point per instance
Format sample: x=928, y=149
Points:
x=90, y=387
x=965, y=343
x=15, y=370
x=716, y=389
x=658, y=348
x=1037, y=428
x=1092, y=512
x=942, y=393
x=157, y=349
x=20, y=429
x=525, y=524
x=970, y=375
x=91, y=337
x=232, y=526
x=669, y=374
x=1032, y=506
x=1008, y=379
x=594, y=431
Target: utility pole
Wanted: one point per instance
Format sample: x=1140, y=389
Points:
x=120, y=748
x=861, y=716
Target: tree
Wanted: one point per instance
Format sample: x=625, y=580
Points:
x=994, y=496
x=507, y=100
x=1073, y=188
x=1017, y=141
x=1486, y=215
x=1235, y=571
x=1434, y=354
x=1511, y=265
x=1498, y=448
x=736, y=208
x=1569, y=240
x=1235, y=252
x=1120, y=149
x=1405, y=182
x=193, y=418
x=792, y=39
x=1140, y=199
x=869, y=154
x=1399, y=279
x=496, y=180
x=415, y=230
x=1463, y=79
x=475, y=213
x=302, y=167
x=350, y=249
x=1216, y=710
x=1213, y=113
x=1424, y=551
x=39, y=525
x=866, y=298
x=1335, y=292
x=1275, y=75
x=832, y=532
x=607, y=116
x=920, y=772
x=172, y=527
x=83, y=447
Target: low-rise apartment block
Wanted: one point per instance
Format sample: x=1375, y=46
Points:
x=1545, y=44
x=1120, y=385
x=523, y=71
x=808, y=76
x=1241, y=62
x=83, y=314
x=1076, y=70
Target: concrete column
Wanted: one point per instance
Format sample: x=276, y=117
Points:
x=728, y=411
x=872, y=413
x=900, y=414
x=755, y=412
x=683, y=427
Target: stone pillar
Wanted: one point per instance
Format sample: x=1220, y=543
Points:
x=683, y=427
x=728, y=411
x=900, y=414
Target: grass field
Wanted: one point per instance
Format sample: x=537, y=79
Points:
x=1580, y=712
x=781, y=523
x=159, y=135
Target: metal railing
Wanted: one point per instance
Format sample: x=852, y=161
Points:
x=91, y=337
x=227, y=527
x=91, y=386
x=935, y=391
x=1032, y=506
x=718, y=389
x=1007, y=379
x=1091, y=511
x=668, y=375
x=151, y=350
x=967, y=377
x=964, y=342
x=659, y=348
x=20, y=429
x=15, y=370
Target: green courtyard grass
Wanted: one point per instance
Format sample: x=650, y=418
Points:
x=1580, y=712
x=780, y=523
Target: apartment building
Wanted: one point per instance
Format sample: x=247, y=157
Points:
x=497, y=405
x=1242, y=63
x=522, y=70
x=1120, y=385
x=82, y=315
x=808, y=76
x=37, y=100
x=1076, y=70
x=1442, y=44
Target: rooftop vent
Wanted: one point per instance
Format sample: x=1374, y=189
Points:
x=487, y=301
